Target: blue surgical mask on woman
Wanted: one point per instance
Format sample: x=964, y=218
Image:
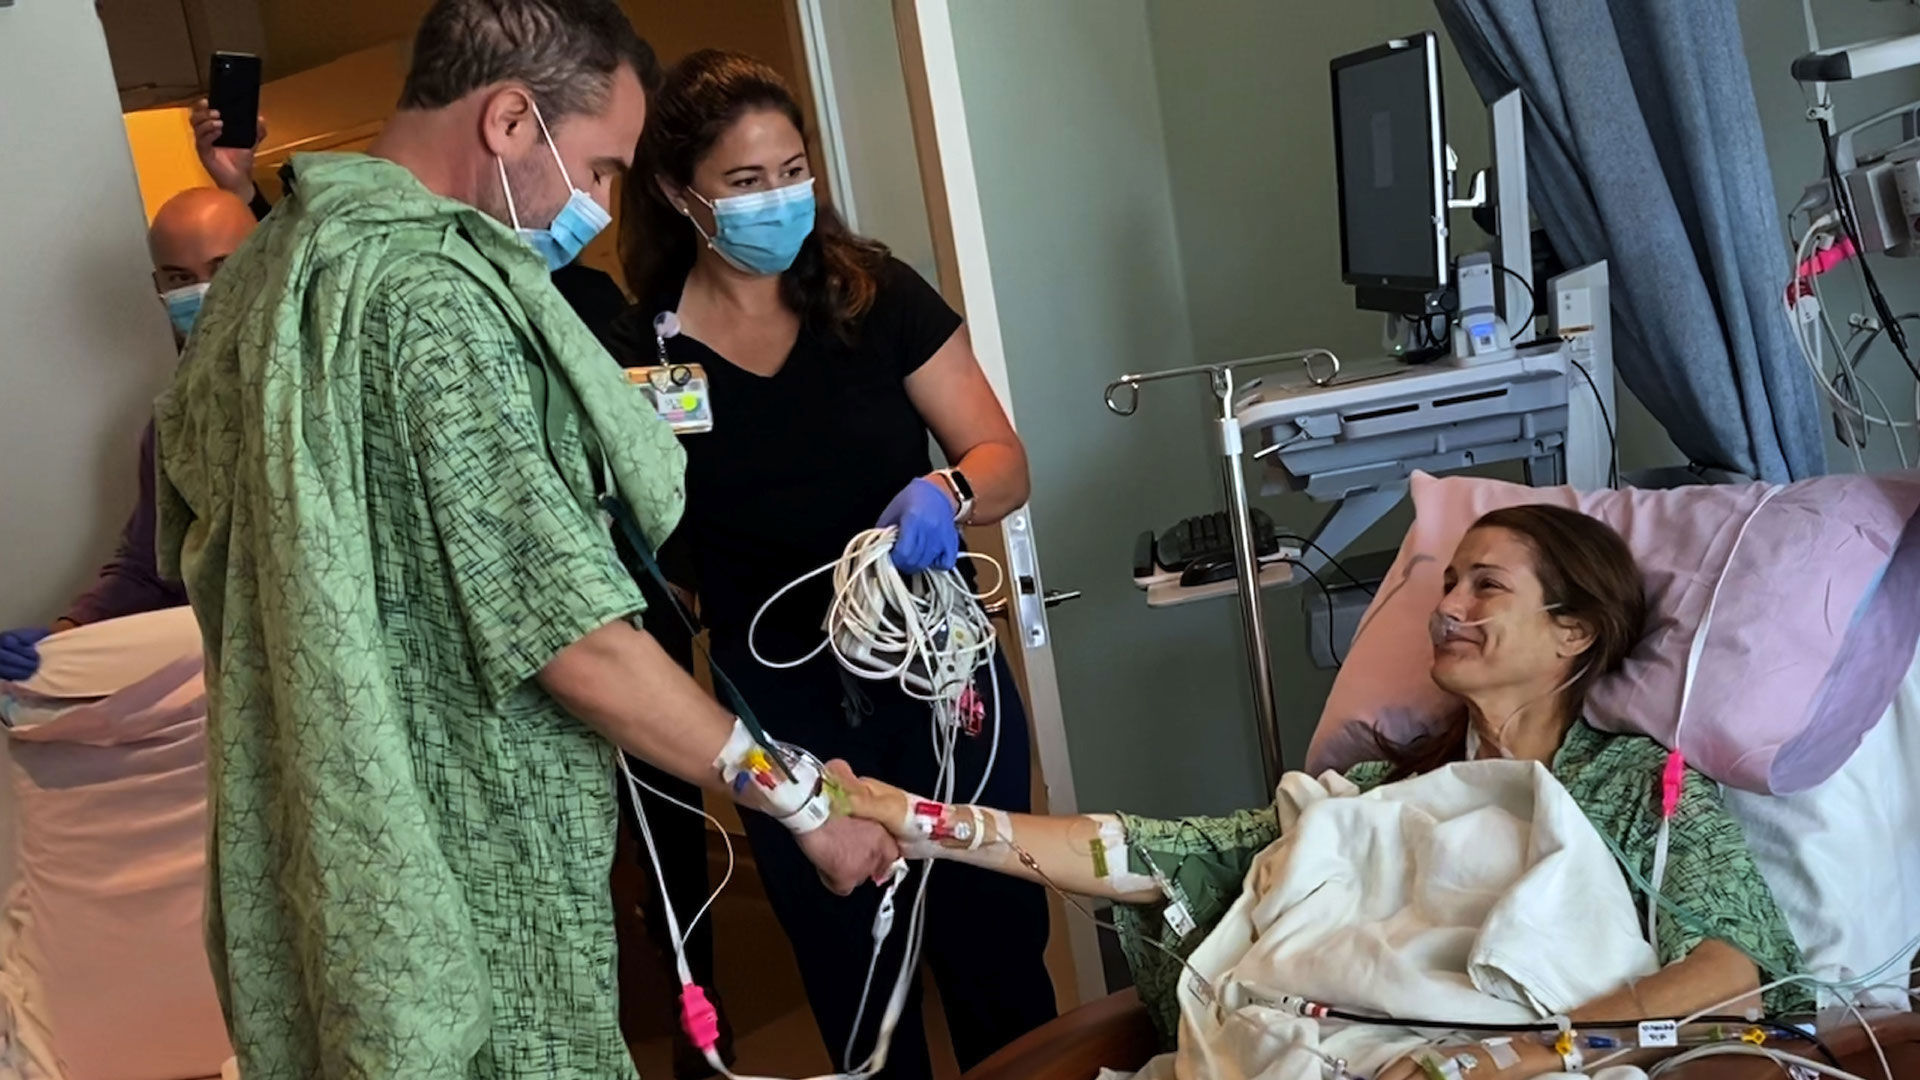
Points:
x=573, y=228
x=183, y=305
x=760, y=232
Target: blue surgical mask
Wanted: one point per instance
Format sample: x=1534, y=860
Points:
x=761, y=232
x=183, y=305
x=573, y=228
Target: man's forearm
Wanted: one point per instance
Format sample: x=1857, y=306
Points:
x=619, y=681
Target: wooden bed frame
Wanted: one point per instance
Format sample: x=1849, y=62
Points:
x=1116, y=1033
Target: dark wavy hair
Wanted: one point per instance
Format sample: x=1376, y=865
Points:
x=1588, y=574
x=833, y=280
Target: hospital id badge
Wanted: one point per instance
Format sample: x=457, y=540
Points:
x=680, y=395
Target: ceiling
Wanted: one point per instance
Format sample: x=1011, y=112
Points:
x=301, y=34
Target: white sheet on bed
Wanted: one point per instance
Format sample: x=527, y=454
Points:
x=1841, y=858
x=1478, y=893
x=103, y=965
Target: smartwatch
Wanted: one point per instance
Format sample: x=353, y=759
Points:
x=962, y=492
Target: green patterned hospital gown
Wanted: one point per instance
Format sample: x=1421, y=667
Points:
x=1710, y=874
x=383, y=543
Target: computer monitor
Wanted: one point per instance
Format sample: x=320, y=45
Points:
x=1390, y=149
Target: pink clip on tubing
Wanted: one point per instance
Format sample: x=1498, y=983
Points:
x=1671, y=780
x=698, y=1018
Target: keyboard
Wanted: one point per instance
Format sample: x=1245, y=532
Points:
x=1209, y=538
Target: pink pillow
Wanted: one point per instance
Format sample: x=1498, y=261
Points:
x=1813, y=621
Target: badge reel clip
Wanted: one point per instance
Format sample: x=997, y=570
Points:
x=679, y=392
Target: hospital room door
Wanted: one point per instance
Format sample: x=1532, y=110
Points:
x=893, y=130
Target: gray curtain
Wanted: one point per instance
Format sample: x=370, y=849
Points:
x=1644, y=149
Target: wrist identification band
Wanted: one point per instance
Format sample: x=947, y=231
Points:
x=795, y=797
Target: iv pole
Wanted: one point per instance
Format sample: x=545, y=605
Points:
x=1252, y=610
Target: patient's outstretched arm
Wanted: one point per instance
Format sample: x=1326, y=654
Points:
x=1713, y=973
x=1081, y=854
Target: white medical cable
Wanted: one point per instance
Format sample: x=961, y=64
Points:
x=674, y=933
x=931, y=636
x=1872, y=1039
x=1805, y=336
x=678, y=936
x=1694, y=650
x=880, y=624
x=727, y=879
x=1849, y=363
x=1748, y=1050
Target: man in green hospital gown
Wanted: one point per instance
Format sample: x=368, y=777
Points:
x=378, y=469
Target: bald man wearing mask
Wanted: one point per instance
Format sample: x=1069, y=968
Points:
x=191, y=236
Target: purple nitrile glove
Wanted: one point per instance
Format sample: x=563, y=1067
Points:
x=928, y=537
x=18, y=658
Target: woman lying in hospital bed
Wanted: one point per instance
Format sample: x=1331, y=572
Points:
x=1539, y=603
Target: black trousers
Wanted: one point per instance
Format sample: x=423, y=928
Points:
x=985, y=933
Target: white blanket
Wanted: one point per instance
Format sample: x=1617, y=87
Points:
x=1477, y=893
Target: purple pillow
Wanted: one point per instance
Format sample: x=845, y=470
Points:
x=1814, y=621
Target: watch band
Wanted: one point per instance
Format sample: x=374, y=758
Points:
x=962, y=494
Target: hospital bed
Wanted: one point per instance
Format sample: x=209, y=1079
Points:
x=1115, y=1033
x=1840, y=854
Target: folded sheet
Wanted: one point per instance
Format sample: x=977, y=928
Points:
x=1478, y=893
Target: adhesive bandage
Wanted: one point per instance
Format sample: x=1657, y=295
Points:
x=1110, y=862
x=1502, y=1052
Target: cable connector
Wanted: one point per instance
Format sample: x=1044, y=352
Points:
x=883, y=917
x=1672, y=780
x=1294, y=1005
x=698, y=1018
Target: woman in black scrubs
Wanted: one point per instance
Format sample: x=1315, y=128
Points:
x=830, y=364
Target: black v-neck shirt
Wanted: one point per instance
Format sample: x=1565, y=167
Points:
x=800, y=461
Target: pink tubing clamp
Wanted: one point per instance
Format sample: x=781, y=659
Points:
x=698, y=1018
x=1672, y=778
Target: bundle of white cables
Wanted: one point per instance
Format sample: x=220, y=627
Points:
x=929, y=633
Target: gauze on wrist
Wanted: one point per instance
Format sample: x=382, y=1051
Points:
x=795, y=796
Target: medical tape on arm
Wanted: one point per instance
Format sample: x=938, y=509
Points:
x=1111, y=862
x=937, y=830
x=792, y=791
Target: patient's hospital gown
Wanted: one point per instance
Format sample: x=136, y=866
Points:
x=383, y=543
x=1615, y=779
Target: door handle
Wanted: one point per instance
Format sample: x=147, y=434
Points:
x=1051, y=598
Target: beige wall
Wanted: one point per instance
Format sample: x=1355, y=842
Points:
x=84, y=344
x=1248, y=111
